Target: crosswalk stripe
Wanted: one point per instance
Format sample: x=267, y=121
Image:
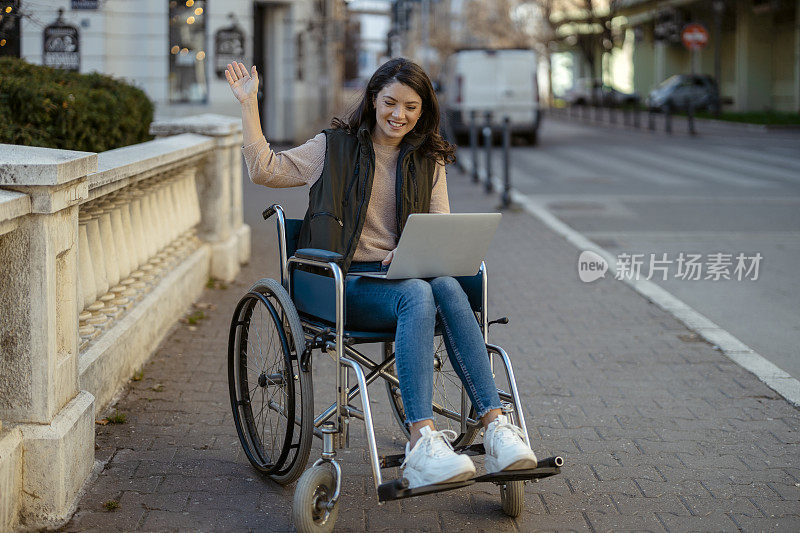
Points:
x=699, y=172
x=710, y=158
x=545, y=166
x=766, y=158
x=632, y=165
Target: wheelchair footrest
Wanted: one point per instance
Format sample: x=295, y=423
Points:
x=390, y=461
x=397, y=489
x=547, y=467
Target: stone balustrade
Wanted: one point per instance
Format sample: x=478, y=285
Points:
x=99, y=255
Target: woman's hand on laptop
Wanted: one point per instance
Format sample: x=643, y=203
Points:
x=388, y=258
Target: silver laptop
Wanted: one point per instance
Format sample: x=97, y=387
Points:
x=441, y=244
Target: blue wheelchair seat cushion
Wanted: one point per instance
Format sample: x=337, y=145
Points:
x=316, y=254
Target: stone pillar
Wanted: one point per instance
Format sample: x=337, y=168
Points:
x=220, y=190
x=39, y=394
x=660, y=62
x=753, y=59
x=797, y=56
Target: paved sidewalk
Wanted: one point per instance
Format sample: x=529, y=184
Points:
x=658, y=429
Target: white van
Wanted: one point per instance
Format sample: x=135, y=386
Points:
x=500, y=81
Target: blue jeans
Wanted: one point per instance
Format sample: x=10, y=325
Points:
x=413, y=305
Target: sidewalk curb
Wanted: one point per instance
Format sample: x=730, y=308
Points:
x=774, y=377
x=679, y=124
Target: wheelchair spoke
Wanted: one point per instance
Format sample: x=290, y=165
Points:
x=259, y=343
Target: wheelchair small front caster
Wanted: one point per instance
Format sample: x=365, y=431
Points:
x=512, y=497
x=311, y=510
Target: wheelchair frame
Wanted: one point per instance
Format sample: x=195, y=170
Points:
x=333, y=424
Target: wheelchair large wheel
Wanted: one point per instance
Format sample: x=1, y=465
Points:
x=271, y=397
x=446, y=399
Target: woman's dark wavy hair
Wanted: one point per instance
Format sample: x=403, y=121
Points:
x=410, y=74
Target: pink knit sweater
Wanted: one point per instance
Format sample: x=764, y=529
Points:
x=303, y=166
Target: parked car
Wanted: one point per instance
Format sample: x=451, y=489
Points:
x=678, y=91
x=501, y=81
x=591, y=91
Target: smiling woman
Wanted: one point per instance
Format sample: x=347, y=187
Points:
x=397, y=109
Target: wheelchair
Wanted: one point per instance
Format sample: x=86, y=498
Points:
x=275, y=329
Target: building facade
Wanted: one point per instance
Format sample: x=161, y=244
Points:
x=373, y=20
x=752, y=49
x=176, y=50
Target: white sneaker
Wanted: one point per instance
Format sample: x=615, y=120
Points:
x=432, y=460
x=506, y=448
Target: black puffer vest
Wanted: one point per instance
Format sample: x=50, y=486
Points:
x=337, y=202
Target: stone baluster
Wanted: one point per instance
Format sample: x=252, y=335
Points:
x=120, y=252
x=171, y=206
x=110, y=306
x=192, y=206
x=193, y=203
x=87, y=291
x=121, y=225
x=122, y=200
x=140, y=240
x=98, y=265
x=152, y=228
x=159, y=217
x=179, y=203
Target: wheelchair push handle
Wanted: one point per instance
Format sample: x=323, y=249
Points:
x=271, y=210
x=501, y=320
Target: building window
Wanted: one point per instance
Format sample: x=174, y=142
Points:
x=9, y=27
x=188, y=82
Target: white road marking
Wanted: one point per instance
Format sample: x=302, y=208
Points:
x=693, y=171
x=770, y=374
x=775, y=378
x=672, y=236
x=739, y=166
x=767, y=158
x=626, y=162
x=546, y=166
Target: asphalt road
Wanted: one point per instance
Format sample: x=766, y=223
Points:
x=720, y=192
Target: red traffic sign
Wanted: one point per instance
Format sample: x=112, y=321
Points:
x=694, y=36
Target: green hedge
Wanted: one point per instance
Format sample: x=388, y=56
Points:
x=54, y=108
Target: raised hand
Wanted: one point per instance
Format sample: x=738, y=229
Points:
x=243, y=84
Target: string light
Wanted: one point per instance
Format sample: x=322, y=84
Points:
x=184, y=51
x=200, y=55
x=190, y=20
x=8, y=9
x=198, y=11
x=189, y=3
x=2, y=42
x=175, y=49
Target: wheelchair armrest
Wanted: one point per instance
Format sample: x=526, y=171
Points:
x=315, y=254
